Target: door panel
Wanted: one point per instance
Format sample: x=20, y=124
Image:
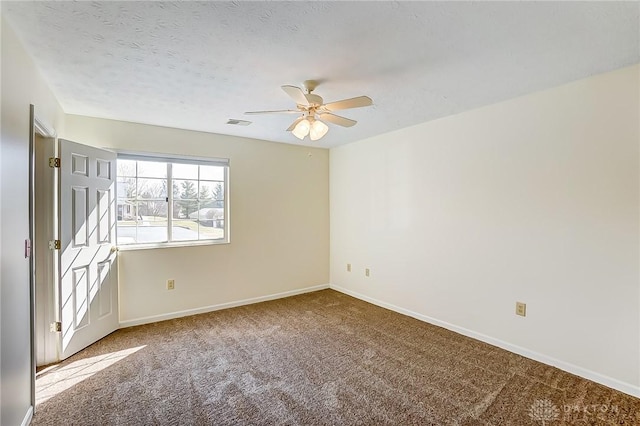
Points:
x=80, y=215
x=105, y=200
x=105, y=289
x=88, y=275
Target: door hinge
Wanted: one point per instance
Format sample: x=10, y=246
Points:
x=55, y=327
x=55, y=245
x=27, y=248
x=54, y=162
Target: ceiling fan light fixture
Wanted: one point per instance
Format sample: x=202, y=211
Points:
x=309, y=106
x=302, y=129
x=318, y=130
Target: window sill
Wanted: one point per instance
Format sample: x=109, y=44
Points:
x=174, y=244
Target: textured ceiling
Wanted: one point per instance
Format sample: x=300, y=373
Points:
x=194, y=65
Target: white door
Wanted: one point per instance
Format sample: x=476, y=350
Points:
x=88, y=268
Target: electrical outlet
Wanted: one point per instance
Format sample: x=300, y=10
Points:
x=367, y=272
x=171, y=284
x=521, y=309
x=348, y=267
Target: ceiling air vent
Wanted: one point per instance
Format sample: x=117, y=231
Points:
x=236, y=122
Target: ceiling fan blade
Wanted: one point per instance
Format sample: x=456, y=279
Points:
x=293, y=125
x=360, y=101
x=296, y=94
x=336, y=119
x=285, y=111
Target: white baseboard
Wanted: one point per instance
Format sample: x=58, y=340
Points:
x=27, y=417
x=205, y=309
x=562, y=365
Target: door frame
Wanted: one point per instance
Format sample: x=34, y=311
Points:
x=45, y=219
x=36, y=126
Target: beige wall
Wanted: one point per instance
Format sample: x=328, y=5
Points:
x=279, y=218
x=21, y=85
x=533, y=200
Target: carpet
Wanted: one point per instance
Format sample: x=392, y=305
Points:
x=321, y=358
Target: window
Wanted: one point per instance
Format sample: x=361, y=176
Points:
x=171, y=201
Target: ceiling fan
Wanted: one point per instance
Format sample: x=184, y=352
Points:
x=312, y=109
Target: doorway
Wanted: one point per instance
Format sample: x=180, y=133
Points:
x=45, y=218
x=74, y=287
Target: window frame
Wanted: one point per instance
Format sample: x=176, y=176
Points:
x=179, y=159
